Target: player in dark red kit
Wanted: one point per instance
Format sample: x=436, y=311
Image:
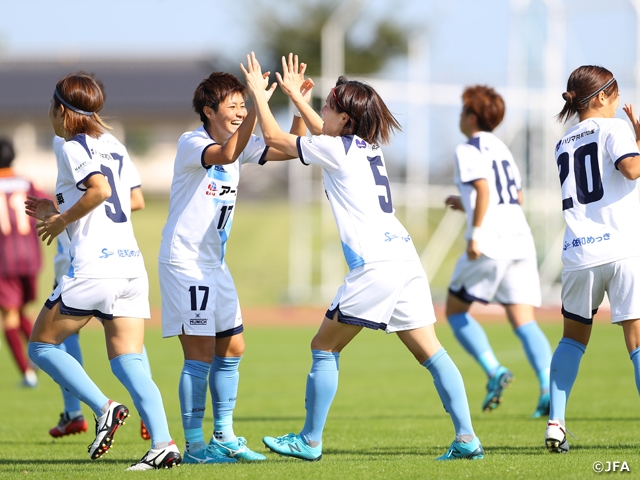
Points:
x=20, y=259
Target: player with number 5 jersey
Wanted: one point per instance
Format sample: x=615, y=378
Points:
x=386, y=287
x=598, y=163
x=500, y=263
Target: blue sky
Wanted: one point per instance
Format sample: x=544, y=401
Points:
x=469, y=39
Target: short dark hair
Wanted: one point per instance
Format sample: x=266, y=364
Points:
x=369, y=117
x=6, y=153
x=486, y=104
x=213, y=90
x=583, y=84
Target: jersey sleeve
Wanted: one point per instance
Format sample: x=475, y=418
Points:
x=471, y=165
x=255, y=151
x=82, y=164
x=324, y=150
x=620, y=142
x=191, y=148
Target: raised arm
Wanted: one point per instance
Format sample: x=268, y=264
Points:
x=229, y=151
x=630, y=166
x=294, y=85
x=273, y=135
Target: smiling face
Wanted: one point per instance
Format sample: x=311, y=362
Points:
x=230, y=115
x=334, y=122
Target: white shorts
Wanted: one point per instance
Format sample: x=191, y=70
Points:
x=583, y=291
x=104, y=298
x=485, y=280
x=200, y=302
x=391, y=296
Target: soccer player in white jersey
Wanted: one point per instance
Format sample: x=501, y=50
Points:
x=386, y=288
x=71, y=419
x=598, y=163
x=199, y=299
x=499, y=264
x=107, y=278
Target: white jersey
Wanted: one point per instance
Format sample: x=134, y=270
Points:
x=357, y=186
x=202, y=202
x=600, y=206
x=505, y=231
x=102, y=242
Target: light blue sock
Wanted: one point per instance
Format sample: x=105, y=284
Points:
x=564, y=370
x=145, y=395
x=223, y=383
x=145, y=361
x=472, y=337
x=450, y=387
x=68, y=373
x=538, y=351
x=322, y=384
x=635, y=358
x=193, y=401
x=72, y=346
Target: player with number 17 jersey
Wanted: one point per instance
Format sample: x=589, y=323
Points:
x=600, y=206
x=202, y=202
x=103, y=244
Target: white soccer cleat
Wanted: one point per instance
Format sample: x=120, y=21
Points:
x=106, y=427
x=555, y=437
x=158, y=458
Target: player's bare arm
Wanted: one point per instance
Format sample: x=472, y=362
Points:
x=630, y=166
x=298, y=89
x=228, y=150
x=54, y=223
x=273, y=135
x=481, y=187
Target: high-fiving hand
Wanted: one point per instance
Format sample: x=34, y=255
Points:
x=292, y=81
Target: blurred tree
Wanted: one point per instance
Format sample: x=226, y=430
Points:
x=294, y=26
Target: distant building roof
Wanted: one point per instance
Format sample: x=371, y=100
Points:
x=134, y=88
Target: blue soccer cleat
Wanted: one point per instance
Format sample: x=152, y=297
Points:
x=458, y=450
x=542, y=410
x=236, y=449
x=501, y=380
x=292, y=445
x=206, y=455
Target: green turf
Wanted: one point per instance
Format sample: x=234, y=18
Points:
x=386, y=420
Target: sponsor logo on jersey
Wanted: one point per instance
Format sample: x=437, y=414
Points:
x=197, y=321
x=105, y=253
x=391, y=236
x=361, y=143
x=59, y=198
x=219, y=168
x=83, y=164
x=574, y=137
x=212, y=189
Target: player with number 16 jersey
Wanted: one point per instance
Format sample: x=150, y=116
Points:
x=600, y=206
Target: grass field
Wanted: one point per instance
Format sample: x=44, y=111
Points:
x=386, y=420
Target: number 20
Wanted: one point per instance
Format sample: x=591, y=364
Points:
x=580, y=156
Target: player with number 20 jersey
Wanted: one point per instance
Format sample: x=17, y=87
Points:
x=599, y=205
